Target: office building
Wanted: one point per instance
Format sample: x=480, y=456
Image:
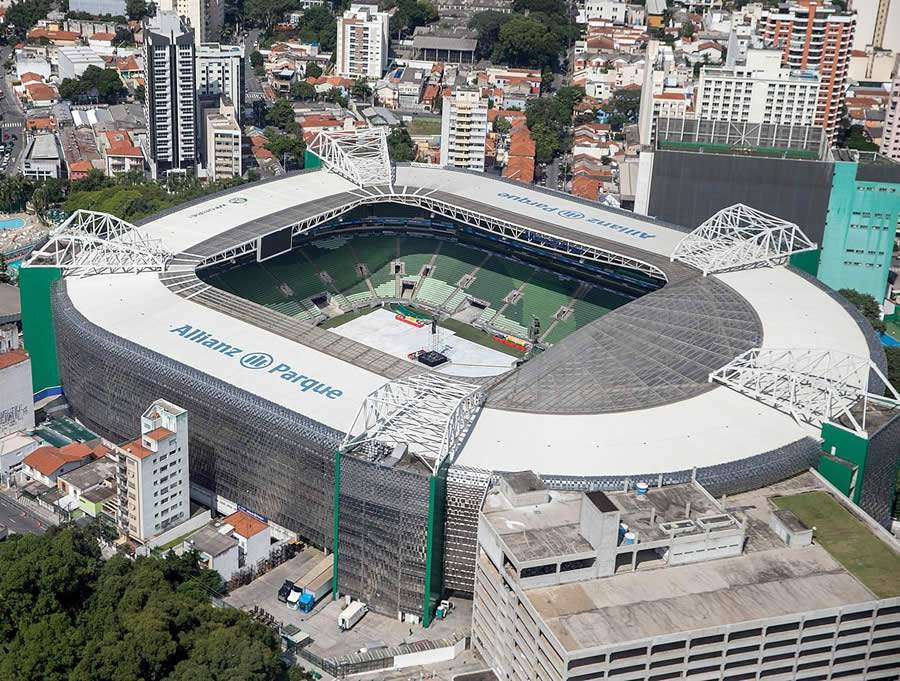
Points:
x=73, y=61
x=758, y=92
x=220, y=73
x=890, y=139
x=222, y=134
x=814, y=35
x=42, y=158
x=668, y=583
x=362, y=41
x=153, y=485
x=170, y=104
x=206, y=17
x=464, y=129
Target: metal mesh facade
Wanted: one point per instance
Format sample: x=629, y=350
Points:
x=382, y=535
x=466, y=488
x=252, y=451
x=880, y=474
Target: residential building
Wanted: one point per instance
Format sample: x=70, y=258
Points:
x=120, y=153
x=42, y=158
x=667, y=582
x=520, y=158
x=613, y=11
x=872, y=65
x=877, y=24
x=890, y=141
x=206, y=17
x=252, y=534
x=45, y=464
x=744, y=94
x=362, y=41
x=464, y=129
x=16, y=404
x=861, y=223
x=220, y=73
x=153, y=485
x=217, y=551
x=222, y=157
x=73, y=61
x=90, y=490
x=171, y=94
x=813, y=34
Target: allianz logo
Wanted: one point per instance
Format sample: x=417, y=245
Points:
x=257, y=361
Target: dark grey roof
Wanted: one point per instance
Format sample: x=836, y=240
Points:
x=655, y=350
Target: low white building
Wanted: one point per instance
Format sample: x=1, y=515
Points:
x=42, y=159
x=252, y=535
x=222, y=134
x=74, y=61
x=614, y=11
x=217, y=551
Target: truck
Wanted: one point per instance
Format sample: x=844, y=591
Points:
x=316, y=589
x=301, y=581
x=352, y=614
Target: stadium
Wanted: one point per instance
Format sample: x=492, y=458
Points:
x=360, y=346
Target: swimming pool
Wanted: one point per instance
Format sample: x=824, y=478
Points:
x=12, y=223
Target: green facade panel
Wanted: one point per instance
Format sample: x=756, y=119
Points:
x=310, y=160
x=35, y=284
x=807, y=261
x=434, y=550
x=850, y=447
x=838, y=472
x=859, y=232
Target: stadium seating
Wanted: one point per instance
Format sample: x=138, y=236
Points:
x=434, y=292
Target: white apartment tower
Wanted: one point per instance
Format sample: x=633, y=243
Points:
x=890, y=140
x=220, y=73
x=464, y=129
x=362, y=41
x=758, y=92
x=223, y=142
x=170, y=105
x=206, y=17
x=152, y=482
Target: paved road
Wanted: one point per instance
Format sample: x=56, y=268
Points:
x=19, y=519
x=253, y=88
x=12, y=118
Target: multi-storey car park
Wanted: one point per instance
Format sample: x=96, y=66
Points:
x=663, y=354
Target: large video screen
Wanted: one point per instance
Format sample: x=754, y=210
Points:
x=273, y=244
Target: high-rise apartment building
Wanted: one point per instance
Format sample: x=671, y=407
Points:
x=152, y=480
x=223, y=142
x=464, y=129
x=206, y=17
x=362, y=41
x=814, y=35
x=220, y=73
x=170, y=105
x=758, y=92
x=890, y=139
x=877, y=24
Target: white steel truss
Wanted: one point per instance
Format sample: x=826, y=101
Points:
x=360, y=156
x=430, y=413
x=813, y=386
x=89, y=242
x=739, y=237
x=473, y=218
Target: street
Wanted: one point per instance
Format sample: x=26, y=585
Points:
x=18, y=519
x=12, y=119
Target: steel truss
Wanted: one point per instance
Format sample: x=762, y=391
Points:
x=430, y=413
x=813, y=386
x=360, y=156
x=467, y=216
x=98, y=243
x=739, y=237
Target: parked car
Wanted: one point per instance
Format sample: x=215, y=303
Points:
x=285, y=590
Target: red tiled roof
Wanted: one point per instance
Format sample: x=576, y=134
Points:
x=103, y=36
x=520, y=168
x=120, y=144
x=127, y=64
x=521, y=144
x=37, y=33
x=245, y=524
x=31, y=77
x=47, y=460
x=40, y=92
x=12, y=357
x=159, y=434
x=80, y=166
x=137, y=449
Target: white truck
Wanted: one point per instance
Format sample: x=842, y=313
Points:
x=352, y=614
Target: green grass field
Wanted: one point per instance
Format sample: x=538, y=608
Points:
x=343, y=319
x=424, y=126
x=478, y=336
x=893, y=328
x=850, y=542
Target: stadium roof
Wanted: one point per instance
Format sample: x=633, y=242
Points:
x=582, y=408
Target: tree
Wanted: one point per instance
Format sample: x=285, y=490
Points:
x=336, y=96
x=623, y=108
x=525, y=41
x=502, y=126
x=303, y=90
x=266, y=13
x=360, y=90
x=411, y=13
x=14, y=193
x=857, y=138
x=24, y=14
x=284, y=145
x=488, y=25
x=139, y=94
x=867, y=305
x=102, y=85
x=281, y=115
x=137, y=9
x=313, y=70
x=400, y=145
x=5, y=277
x=319, y=25
x=893, y=362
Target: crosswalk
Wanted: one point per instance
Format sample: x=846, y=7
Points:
x=11, y=124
